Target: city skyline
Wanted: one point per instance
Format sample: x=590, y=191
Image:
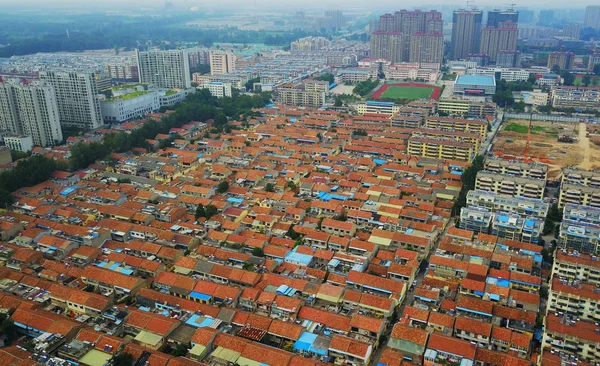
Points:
x=304, y=5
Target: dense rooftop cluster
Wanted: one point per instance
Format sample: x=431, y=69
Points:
x=301, y=237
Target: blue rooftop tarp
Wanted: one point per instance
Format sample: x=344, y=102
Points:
x=68, y=191
x=298, y=258
x=305, y=343
x=193, y=321
x=379, y=161
x=328, y=196
x=199, y=296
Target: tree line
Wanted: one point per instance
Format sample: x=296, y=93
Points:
x=199, y=106
x=27, y=173
x=27, y=34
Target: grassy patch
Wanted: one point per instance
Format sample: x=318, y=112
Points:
x=130, y=95
x=406, y=92
x=595, y=80
x=449, y=77
x=535, y=130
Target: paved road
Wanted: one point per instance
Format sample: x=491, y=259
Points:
x=491, y=135
x=409, y=294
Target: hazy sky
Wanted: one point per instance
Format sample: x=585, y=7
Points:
x=290, y=4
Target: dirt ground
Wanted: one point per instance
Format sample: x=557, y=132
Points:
x=545, y=148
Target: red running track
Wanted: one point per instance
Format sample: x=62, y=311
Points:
x=437, y=91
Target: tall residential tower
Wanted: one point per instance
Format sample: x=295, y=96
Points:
x=466, y=33
x=77, y=98
x=502, y=38
x=30, y=108
x=164, y=69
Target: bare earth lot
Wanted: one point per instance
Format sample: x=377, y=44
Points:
x=545, y=148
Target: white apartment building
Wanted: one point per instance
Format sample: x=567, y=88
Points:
x=164, y=69
x=506, y=74
x=19, y=143
x=31, y=109
x=77, y=98
x=218, y=89
x=510, y=185
x=129, y=103
x=168, y=98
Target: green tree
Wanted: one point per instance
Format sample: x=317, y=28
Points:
x=468, y=183
x=8, y=329
x=270, y=187
x=220, y=120
x=200, y=212
x=291, y=185
x=210, y=211
x=586, y=80
x=181, y=350
x=326, y=77
x=549, y=226
x=359, y=132
x=258, y=252
x=568, y=78
x=248, y=266
x=6, y=199
x=319, y=223
x=554, y=213
x=223, y=187
x=123, y=359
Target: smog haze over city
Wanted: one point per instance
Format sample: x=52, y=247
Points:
x=299, y=183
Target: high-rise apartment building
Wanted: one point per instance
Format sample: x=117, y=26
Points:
x=525, y=16
x=564, y=60
x=426, y=47
x=434, y=26
x=593, y=61
x=387, y=45
x=572, y=30
x=508, y=59
x=122, y=71
x=164, y=69
x=546, y=17
x=309, y=44
x=197, y=57
x=409, y=24
x=592, y=17
x=387, y=23
x=466, y=32
x=30, y=108
x=77, y=98
x=337, y=18
x=496, y=16
x=502, y=38
x=222, y=62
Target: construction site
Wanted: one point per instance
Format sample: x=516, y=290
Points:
x=558, y=144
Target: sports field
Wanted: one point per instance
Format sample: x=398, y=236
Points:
x=408, y=91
